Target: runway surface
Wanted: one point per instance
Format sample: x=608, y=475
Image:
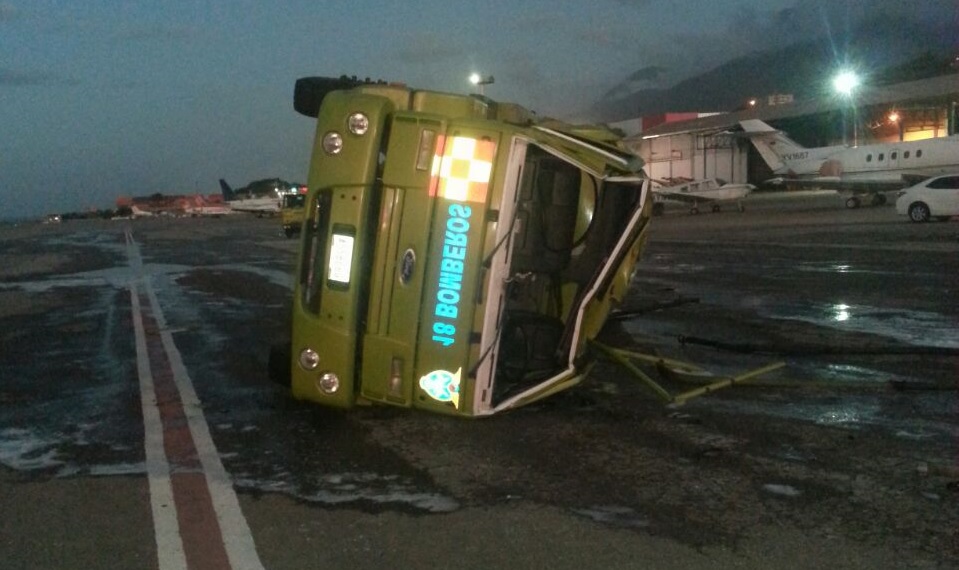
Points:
x=138, y=427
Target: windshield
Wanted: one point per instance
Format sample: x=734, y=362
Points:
x=294, y=200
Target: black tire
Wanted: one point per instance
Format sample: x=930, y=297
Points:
x=279, y=364
x=716, y=208
x=919, y=212
x=852, y=203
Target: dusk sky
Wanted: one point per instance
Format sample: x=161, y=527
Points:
x=100, y=99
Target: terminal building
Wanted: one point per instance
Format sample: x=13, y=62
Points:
x=695, y=146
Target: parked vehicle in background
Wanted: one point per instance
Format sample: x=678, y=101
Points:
x=936, y=197
x=292, y=213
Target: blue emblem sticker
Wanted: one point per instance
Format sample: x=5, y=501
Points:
x=443, y=386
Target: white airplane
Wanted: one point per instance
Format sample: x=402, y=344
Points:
x=199, y=206
x=138, y=212
x=857, y=172
x=268, y=203
x=712, y=191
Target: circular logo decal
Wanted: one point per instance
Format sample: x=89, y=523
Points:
x=443, y=385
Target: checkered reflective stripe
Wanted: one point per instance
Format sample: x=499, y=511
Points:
x=462, y=172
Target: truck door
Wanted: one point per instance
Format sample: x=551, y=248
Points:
x=564, y=233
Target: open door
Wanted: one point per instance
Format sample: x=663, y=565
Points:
x=565, y=231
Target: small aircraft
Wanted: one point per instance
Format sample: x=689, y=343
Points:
x=712, y=191
x=857, y=172
x=200, y=206
x=247, y=200
x=138, y=212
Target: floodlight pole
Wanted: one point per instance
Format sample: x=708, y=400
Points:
x=480, y=80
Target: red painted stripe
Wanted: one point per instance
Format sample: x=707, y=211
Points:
x=199, y=528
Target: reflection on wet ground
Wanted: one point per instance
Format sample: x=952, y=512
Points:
x=919, y=328
x=76, y=412
x=865, y=324
x=73, y=430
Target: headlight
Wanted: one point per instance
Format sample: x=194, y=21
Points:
x=359, y=124
x=341, y=258
x=309, y=359
x=332, y=142
x=328, y=383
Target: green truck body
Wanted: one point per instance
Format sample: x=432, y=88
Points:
x=456, y=253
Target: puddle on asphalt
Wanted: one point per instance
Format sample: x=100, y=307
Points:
x=282, y=278
x=24, y=450
x=918, y=328
x=118, y=277
x=346, y=488
x=855, y=413
x=614, y=515
x=782, y=490
x=836, y=268
x=107, y=241
x=28, y=450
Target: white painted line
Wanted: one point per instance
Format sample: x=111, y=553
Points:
x=237, y=537
x=165, y=526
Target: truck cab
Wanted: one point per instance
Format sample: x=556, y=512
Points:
x=457, y=253
x=292, y=210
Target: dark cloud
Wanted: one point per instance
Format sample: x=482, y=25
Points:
x=10, y=78
x=748, y=29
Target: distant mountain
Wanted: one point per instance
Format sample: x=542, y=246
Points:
x=884, y=51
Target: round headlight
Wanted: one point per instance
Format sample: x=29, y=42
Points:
x=359, y=124
x=328, y=383
x=332, y=142
x=309, y=359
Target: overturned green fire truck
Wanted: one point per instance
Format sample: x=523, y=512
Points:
x=457, y=253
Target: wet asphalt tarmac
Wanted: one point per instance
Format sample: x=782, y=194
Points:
x=846, y=456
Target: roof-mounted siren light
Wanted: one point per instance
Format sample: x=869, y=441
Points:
x=309, y=92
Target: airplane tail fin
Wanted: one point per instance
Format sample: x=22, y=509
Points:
x=772, y=144
x=226, y=190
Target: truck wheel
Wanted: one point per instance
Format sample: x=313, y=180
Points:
x=852, y=203
x=279, y=364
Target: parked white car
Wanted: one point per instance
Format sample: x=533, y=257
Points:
x=936, y=197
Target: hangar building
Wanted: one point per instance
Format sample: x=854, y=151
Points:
x=715, y=147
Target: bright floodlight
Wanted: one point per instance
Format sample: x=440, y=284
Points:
x=477, y=79
x=846, y=82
